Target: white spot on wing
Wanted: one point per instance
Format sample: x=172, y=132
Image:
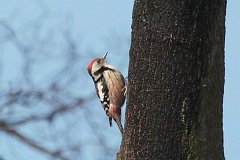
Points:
x=101, y=94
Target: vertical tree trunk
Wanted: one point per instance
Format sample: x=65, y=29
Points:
x=176, y=80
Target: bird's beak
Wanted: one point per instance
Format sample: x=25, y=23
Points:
x=105, y=55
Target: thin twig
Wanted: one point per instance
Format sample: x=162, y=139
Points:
x=24, y=139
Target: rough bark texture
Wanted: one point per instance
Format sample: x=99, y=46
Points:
x=176, y=80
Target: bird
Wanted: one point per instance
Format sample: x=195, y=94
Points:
x=110, y=88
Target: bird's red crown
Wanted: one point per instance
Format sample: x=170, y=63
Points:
x=90, y=65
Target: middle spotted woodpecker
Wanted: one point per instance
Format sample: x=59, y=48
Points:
x=110, y=87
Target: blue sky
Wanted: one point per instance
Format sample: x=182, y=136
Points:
x=231, y=108
x=95, y=23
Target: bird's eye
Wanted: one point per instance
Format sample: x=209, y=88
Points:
x=98, y=61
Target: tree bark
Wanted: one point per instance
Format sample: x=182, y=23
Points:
x=176, y=81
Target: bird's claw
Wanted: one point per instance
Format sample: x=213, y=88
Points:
x=125, y=90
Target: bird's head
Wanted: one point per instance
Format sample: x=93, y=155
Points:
x=96, y=64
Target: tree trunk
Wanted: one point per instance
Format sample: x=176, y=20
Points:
x=176, y=80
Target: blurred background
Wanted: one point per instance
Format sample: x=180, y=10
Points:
x=48, y=106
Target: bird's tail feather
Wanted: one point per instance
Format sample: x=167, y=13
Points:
x=110, y=121
x=118, y=121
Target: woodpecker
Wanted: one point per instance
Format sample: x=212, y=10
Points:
x=110, y=87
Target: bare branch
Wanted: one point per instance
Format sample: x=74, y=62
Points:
x=26, y=140
x=49, y=116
